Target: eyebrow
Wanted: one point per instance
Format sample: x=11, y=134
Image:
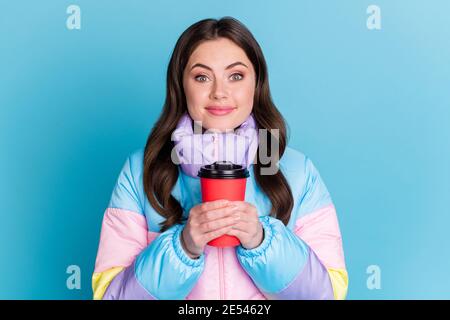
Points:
x=229, y=67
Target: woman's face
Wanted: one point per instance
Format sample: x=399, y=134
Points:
x=219, y=83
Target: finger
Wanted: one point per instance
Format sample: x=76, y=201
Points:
x=238, y=233
x=238, y=204
x=216, y=233
x=199, y=209
x=245, y=207
x=243, y=226
x=244, y=216
x=218, y=224
x=211, y=205
x=216, y=214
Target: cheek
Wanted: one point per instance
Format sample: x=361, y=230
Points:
x=244, y=95
x=195, y=95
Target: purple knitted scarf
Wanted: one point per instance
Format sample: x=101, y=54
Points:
x=197, y=149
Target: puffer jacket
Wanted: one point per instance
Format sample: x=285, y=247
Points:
x=303, y=260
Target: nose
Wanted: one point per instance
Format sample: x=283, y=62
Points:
x=218, y=90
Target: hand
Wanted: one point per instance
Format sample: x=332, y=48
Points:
x=207, y=221
x=249, y=229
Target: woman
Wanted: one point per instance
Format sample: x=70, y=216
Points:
x=155, y=231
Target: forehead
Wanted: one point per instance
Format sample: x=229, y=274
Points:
x=218, y=53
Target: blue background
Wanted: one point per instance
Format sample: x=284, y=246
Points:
x=370, y=107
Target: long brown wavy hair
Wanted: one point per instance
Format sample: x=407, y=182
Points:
x=161, y=174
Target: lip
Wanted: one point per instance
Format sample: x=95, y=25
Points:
x=220, y=111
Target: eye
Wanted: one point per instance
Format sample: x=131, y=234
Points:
x=201, y=78
x=236, y=76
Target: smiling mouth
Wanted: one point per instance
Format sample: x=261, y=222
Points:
x=219, y=111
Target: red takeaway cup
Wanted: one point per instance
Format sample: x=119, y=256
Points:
x=223, y=180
